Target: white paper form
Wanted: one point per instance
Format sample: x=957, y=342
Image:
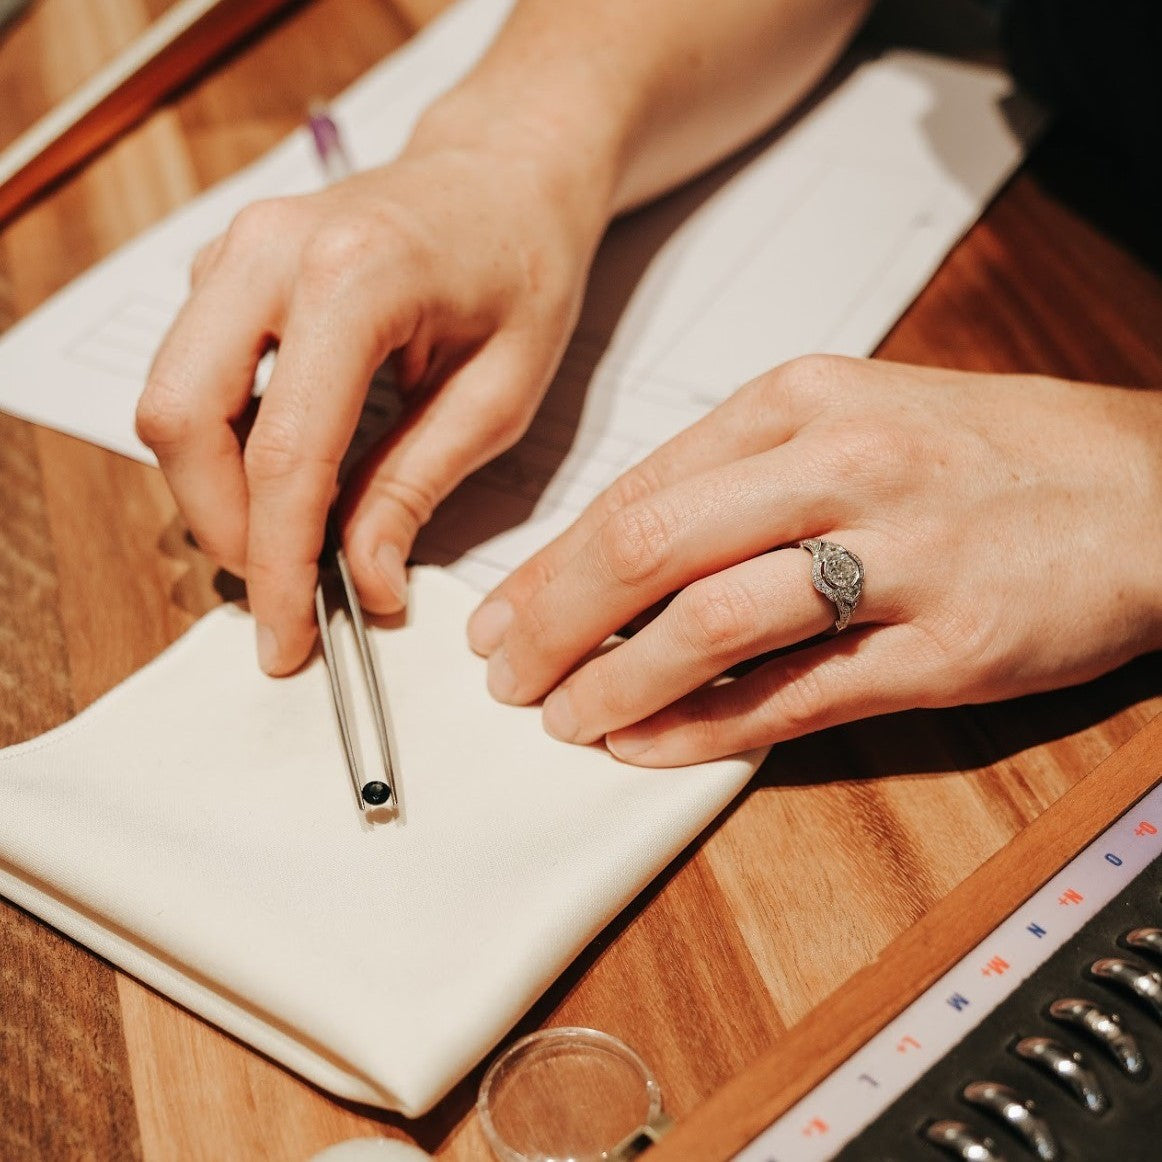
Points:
x=813, y=241
x=79, y=363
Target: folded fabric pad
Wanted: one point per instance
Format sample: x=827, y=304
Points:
x=197, y=827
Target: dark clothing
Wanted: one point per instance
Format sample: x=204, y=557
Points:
x=1098, y=65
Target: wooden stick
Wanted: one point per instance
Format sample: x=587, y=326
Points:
x=174, y=48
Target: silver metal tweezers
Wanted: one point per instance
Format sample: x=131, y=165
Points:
x=369, y=792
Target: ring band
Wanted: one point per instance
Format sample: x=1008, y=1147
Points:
x=837, y=573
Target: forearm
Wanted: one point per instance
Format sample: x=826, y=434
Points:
x=632, y=98
x=1144, y=548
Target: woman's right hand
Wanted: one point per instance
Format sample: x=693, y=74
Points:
x=464, y=260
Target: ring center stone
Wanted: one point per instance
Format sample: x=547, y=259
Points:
x=841, y=571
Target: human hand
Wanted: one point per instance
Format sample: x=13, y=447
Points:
x=465, y=262
x=1008, y=525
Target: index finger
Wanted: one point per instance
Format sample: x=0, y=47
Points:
x=305, y=422
x=750, y=422
x=200, y=382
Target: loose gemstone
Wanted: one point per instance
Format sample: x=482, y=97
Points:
x=376, y=793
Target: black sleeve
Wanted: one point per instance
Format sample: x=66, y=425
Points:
x=1099, y=64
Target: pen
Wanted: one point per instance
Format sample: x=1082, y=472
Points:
x=369, y=792
x=328, y=143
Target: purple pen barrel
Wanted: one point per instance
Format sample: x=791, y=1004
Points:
x=328, y=144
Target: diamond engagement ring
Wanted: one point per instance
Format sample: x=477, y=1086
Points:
x=838, y=575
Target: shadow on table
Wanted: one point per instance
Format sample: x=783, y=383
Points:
x=960, y=738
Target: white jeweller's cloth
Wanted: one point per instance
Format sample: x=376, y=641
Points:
x=197, y=827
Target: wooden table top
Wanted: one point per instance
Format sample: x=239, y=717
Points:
x=842, y=842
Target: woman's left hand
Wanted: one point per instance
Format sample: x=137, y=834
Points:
x=1009, y=528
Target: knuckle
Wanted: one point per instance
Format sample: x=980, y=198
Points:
x=220, y=548
x=635, y=543
x=164, y=417
x=705, y=731
x=864, y=446
x=630, y=488
x=718, y=614
x=798, y=703
x=523, y=586
x=273, y=450
x=539, y=622
x=501, y=427
x=872, y=455
x=533, y=640
x=756, y=402
x=618, y=700
x=540, y=572
x=336, y=249
x=808, y=376
x=804, y=385
x=203, y=260
x=258, y=223
x=417, y=501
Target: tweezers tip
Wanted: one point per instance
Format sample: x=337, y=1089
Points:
x=373, y=795
x=376, y=793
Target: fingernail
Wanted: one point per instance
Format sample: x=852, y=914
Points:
x=488, y=625
x=559, y=717
x=267, y=649
x=390, y=565
x=629, y=744
x=501, y=679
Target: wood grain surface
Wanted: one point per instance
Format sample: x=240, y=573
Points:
x=740, y=1110
x=843, y=842
x=118, y=97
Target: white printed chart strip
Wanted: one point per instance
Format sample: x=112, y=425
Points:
x=821, y=1123
x=817, y=243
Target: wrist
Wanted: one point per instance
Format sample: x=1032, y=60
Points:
x=1142, y=465
x=1152, y=534
x=549, y=150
